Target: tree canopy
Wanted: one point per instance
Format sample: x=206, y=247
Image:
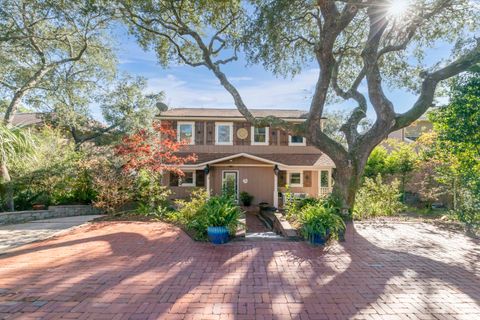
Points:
x=359, y=46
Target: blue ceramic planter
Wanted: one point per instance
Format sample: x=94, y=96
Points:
x=319, y=239
x=218, y=235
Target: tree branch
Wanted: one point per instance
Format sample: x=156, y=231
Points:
x=430, y=83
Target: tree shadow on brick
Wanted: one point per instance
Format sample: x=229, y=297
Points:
x=156, y=271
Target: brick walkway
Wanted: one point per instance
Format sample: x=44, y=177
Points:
x=134, y=270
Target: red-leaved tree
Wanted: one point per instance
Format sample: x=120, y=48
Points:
x=154, y=150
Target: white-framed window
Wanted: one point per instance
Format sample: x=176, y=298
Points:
x=186, y=132
x=324, y=178
x=224, y=133
x=188, y=179
x=295, y=179
x=260, y=136
x=296, y=141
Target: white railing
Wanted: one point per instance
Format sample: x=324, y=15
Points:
x=325, y=191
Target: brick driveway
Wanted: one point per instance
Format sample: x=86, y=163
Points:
x=113, y=270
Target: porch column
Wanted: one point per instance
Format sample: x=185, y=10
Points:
x=275, y=190
x=207, y=183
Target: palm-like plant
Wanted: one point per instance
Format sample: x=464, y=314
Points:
x=16, y=145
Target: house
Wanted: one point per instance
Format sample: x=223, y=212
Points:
x=260, y=161
x=412, y=132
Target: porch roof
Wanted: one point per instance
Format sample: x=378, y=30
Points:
x=281, y=159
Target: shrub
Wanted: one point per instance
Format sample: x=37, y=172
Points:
x=189, y=210
x=200, y=213
x=468, y=210
x=222, y=212
x=151, y=195
x=246, y=198
x=57, y=174
x=375, y=198
x=114, y=186
x=320, y=219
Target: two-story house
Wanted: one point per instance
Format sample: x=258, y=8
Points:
x=260, y=161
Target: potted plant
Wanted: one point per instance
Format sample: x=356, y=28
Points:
x=246, y=198
x=319, y=223
x=222, y=217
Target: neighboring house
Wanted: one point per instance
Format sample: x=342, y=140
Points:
x=28, y=119
x=259, y=161
x=412, y=132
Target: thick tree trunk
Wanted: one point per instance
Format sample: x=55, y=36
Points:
x=347, y=181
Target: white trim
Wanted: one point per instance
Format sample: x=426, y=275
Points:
x=194, y=178
x=207, y=184
x=220, y=118
x=192, y=123
x=242, y=165
x=295, y=144
x=230, y=124
x=289, y=173
x=238, y=181
x=252, y=135
x=275, y=190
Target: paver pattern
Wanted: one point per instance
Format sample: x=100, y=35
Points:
x=115, y=270
x=14, y=235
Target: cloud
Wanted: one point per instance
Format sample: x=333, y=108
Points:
x=207, y=92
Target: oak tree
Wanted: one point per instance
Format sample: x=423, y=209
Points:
x=360, y=47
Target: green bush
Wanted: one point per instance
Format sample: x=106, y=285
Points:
x=375, y=198
x=151, y=195
x=320, y=219
x=468, y=210
x=200, y=213
x=246, y=198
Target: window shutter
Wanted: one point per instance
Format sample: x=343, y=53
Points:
x=272, y=139
x=173, y=179
x=210, y=132
x=199, y=132
x=307, y=178
x=200, y=178
x=283, y=138
x=282, y=179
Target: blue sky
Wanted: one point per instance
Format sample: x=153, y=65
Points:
x=185, y=86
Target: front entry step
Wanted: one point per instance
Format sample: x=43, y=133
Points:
x=269, y=235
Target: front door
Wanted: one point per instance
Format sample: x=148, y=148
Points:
x=230, y=183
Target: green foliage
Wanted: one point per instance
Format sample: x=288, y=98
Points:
x=56, y=174
x=246, y=198
x=462, y=141
x=468, y=210
x=151, y=194
x=202, y=212
x=375, y=199
x=320, y=219
x=377, y=163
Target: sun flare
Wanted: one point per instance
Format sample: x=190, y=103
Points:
x=398, y=8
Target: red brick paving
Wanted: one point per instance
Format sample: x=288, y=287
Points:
x=113, y=270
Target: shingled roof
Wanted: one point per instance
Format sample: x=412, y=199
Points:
x=230, y=113
x=288, y=159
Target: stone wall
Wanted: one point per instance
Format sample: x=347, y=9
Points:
x=51, y=212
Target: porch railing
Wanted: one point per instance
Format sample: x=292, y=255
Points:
x=325, y=191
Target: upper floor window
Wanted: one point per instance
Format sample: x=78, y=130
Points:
x=224, y=133
x=260, y=136
x=186, y=132
x=296, y=141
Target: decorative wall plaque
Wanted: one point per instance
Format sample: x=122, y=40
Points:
x=242, y=133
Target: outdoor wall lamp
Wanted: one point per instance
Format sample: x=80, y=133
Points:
x=207, y=169
x=276, y=170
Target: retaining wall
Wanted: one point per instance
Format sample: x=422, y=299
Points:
x=51, y=212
